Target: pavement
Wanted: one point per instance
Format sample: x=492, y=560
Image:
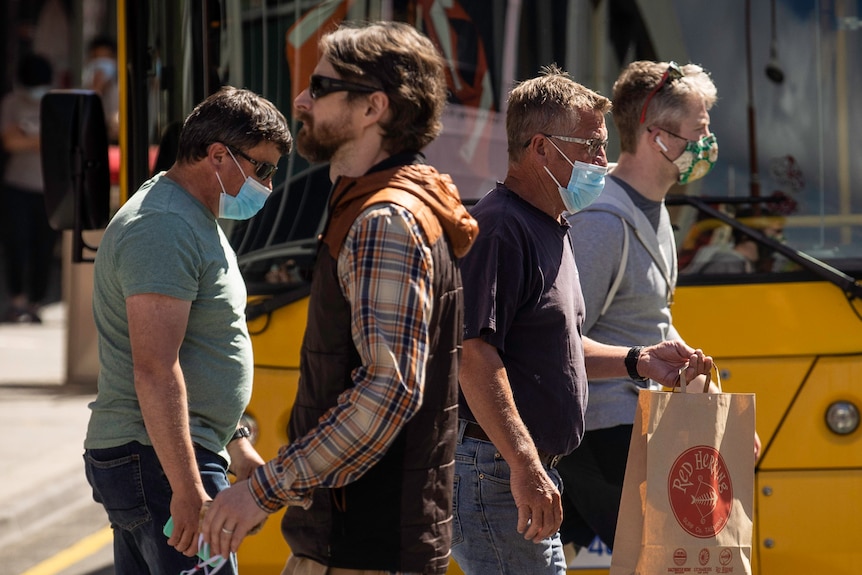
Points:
x=42, y=425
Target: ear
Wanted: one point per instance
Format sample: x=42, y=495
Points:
x=538, y=145
x=216, y=152
x=377, y=107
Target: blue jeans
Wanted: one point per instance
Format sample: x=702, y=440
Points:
x=132, y=487
x=485, y=540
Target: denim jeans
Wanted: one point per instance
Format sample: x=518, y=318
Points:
x=132, y=487
x=485, y=540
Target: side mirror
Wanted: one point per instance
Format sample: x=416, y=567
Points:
x=74, y=150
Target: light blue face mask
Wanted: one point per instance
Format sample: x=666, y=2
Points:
x=250, y=199
x=585, y=184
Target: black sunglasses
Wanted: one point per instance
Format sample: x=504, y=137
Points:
x=263, y=170
x=672, y=74
x=321, y=86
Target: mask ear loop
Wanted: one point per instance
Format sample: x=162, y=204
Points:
x=210, y=566
x=236, y=162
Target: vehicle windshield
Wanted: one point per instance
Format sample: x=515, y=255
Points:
x=783, y=120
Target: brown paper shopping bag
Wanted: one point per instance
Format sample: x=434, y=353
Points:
x=689, y=485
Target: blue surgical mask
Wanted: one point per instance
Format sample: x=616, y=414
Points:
x=585, y=184
x=250, y=199
x=106, y=66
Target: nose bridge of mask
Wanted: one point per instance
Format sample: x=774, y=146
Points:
x=590, y=172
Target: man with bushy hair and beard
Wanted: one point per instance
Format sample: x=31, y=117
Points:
x=368, y=474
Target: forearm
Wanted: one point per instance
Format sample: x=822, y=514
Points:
x=164, y=408
x=604, y=361
x=348, y=441
x=244, y=458
x=486, y=388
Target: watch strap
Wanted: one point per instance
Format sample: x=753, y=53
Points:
x=240, y=432
x=632, y=363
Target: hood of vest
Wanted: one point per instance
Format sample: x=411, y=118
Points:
x=430, y=196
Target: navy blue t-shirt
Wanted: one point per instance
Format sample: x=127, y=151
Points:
x=522, y=295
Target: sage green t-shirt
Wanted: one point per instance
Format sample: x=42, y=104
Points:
x=165, y=241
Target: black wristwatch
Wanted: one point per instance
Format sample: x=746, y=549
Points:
x=240, y=432
x=632, y=363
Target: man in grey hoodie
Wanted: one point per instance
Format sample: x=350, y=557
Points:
x=626, y=255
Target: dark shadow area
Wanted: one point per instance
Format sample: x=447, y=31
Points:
x=55, y=292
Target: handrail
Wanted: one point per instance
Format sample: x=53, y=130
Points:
x=848, y=284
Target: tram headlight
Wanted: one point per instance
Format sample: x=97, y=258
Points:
x=842, y=417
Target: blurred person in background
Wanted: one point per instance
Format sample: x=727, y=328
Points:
x=100, y=75
x=28, y=239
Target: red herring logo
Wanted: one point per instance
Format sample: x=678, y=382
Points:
x=700, y=491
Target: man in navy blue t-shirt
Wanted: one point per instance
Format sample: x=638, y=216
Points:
x=523, y=371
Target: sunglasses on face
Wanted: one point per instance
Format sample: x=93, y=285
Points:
x=321, y=86
x=263, y=170
x=672, y=74
x=594, y=145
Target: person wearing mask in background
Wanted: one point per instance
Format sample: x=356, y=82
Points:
x=29, y=242
x=368, y=474
x=523, y=373
x=626, y=255
x=174, y=351
x=100, y=75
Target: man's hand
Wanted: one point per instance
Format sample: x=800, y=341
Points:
x=230, y=517
x=540, y=508
x=186, y=514
x=662, y=362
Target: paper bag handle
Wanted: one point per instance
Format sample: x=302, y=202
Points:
x=683, y=384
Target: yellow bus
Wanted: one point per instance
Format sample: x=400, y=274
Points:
x=790, y=331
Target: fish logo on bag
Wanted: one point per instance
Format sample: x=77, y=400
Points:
x=700, y=491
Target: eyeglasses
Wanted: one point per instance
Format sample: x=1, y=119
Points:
x=672, y=74
x=321, y=86
x=594, y=145
x=263, y=170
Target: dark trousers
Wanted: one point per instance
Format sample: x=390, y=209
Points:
x=132, y=487
x=28, y=242
x=593, y=485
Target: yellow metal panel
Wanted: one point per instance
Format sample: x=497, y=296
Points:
x=803, y=440
x=271, y=402
x=774, y=381
x=780, y=319
x=809, y=522
x=277, y=337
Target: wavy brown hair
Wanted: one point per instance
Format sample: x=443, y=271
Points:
x=403, y=63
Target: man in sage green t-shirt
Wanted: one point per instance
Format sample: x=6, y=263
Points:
x=174, y=351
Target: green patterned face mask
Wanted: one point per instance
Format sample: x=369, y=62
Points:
x=697, y=159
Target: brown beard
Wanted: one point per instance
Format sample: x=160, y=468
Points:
x=312, y=149
x=320, y=143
